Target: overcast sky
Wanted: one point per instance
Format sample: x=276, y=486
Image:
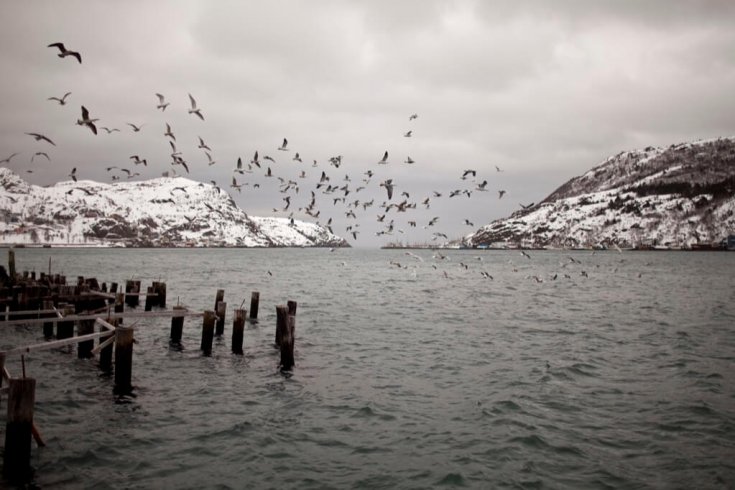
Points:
x=543, y=90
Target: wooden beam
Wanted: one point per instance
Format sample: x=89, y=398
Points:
x=127, y=314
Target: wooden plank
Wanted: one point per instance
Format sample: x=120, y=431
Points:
x=127, y=314
x=58, y=343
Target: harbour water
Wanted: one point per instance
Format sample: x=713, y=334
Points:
x=565, y=370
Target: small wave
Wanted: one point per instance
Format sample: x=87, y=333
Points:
x=452, y=480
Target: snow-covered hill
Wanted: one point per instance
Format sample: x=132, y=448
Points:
x=677, y=197
x=158, y=212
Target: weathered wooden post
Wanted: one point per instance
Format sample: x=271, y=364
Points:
x=238, y=331
x=161, y=292
x=291, y=307
x=221, y=312
x=287, y=344
x=84, y=348
x=106, y=352
x=128, y=290
x=281, y=322
x=207, y=332
x=119, y=306
x=19, y=429
x=123, y=359
x=48, y=327
x=219, y=297
x=113, y=288
x=149, y=299
x=177, y=326
x=254, y=300
x=65, y=329
x=11, y=265
x=133, y=299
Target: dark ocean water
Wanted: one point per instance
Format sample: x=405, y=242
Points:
x=621, y=377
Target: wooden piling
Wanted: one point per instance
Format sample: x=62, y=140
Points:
x=177, y=326
x=238, y=331
x=84, y=348
x=113, y=288
x=161, y=292
x=219, y=297
x=119, y=305
x=149, y=299
x=123, y=359
x=11, y=265
x=221, y=312
x=287, y=344
x=19, y=429
x=291, y=307
x=132, y=299
x=65, y=329
x=254, y=300
x=207, y=332
x=106, y=352
x=48, y=327
x=281, y=323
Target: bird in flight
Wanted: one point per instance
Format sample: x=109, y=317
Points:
x=40, y=137
x=497, y=168
x=468, y=172
x=407, y=134
x=109, y=130
x=202, y=145
x=384, y=160
x=63, y=52
x=526, y=206
x=136, y=160
x=39, y=154
x=62, y=100
x=388, y=184
x=482, y=186
x=409, y=160
x=501, y=193
x=86, y=121
x=194, y=109
x=135, y=128
x=73, y=174
x=284, y=145
x=7, y=160
x=412, y=117
x=162, y=104
x=169, y=133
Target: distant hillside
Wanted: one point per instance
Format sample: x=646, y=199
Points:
x=678, y=197
x=157, y=212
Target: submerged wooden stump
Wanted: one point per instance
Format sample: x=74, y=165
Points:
x=84, y=348
x=220, y=296
x=150, y=299
x=48, y=327
x=287, y=344
x=281, y=323
x=19, y=429
x=65, y=329
x=238, y=331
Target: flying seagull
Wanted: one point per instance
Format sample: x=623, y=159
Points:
x=284, y=145
x=135, y=128
x=136, y=160
x=412, y=117
x=407, y=134
x=162, y=104
x=501, y=193
x=109, y=130
x=169, y=133
x=202, y=145
x=65, y=52
x=468, y=172
x=388, y=184
x=73, y=174
x=39, y=154
x=62, y=100
x=194, y=109
x=7, y=160
x=40, y=137
x=409, y=160
x=384, y=160
x=86, y=121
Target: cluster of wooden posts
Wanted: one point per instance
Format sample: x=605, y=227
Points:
x=49, y=301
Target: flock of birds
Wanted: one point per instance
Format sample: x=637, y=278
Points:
x=344, y=192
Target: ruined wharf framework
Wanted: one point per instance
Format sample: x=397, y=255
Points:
x=49, y=301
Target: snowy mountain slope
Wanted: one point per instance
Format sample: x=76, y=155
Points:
x=676, y=197
x=158, y=212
